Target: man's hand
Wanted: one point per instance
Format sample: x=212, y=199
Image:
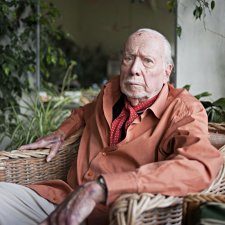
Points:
x=77, y=206
x=52, y=141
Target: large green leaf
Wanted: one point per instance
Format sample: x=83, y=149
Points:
x=203, y=94
x=215, y=114
x=187, y=87
x=206, y=104
x=220, y=102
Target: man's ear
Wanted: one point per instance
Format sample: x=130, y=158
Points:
x=168, y=71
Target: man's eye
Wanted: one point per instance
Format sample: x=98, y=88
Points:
x=128, y=58
x=148, y=62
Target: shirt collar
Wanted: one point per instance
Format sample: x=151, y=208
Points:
x=159, y=105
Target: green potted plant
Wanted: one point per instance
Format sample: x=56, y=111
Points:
x=215, y=109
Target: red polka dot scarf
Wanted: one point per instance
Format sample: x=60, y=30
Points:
x=126, y=117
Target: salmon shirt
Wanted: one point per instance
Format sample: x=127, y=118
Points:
x=166, y=149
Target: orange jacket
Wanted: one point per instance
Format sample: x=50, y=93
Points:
x=166, y=150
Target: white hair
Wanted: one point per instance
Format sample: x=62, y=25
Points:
x=167, y=46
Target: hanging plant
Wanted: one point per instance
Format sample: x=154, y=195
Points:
x=199, y=11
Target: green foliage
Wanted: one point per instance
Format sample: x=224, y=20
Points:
x=187, y=87
x=171, y=5
x=203, y=94
x=38, y=119
x=178, y=30
x=215, y=110
x=53, y=59
x=16, y=57
x=201, y=6
x=90, y=63
x=18, y=23
x=199, y=11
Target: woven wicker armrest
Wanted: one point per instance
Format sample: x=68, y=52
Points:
x=192, y=202
x=217, y=128
x=145, y=208
x=217, y=134
x=30, y=166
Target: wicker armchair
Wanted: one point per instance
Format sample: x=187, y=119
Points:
x=30, y=166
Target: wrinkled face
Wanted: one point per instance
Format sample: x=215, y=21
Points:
x=143, y=69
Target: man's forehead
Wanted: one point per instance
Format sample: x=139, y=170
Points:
x=141, y=39
x=145, y=35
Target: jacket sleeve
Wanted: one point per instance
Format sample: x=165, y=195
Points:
x=191, y=163
x=75, y=121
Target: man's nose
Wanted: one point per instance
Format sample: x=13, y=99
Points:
x=136, y=66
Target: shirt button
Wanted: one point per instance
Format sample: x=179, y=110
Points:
x=90, y=173
x=104, y=153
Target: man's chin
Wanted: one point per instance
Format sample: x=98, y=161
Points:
x=134, y=95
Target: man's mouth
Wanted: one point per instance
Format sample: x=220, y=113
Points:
x=134, y=83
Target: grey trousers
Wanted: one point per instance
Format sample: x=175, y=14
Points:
x=20, y=205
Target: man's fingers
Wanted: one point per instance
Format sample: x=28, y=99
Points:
x=80, y=213
x=53, y=143
x=79, y=207
x=61, y=218
x=75, y=208
x=35, y=145
x=53, y=152
x=41, y=143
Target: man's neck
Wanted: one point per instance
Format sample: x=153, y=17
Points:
x=136, y=101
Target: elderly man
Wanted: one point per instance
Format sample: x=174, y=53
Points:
x=140, y=135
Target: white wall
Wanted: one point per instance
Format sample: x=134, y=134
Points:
x=200, y=52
